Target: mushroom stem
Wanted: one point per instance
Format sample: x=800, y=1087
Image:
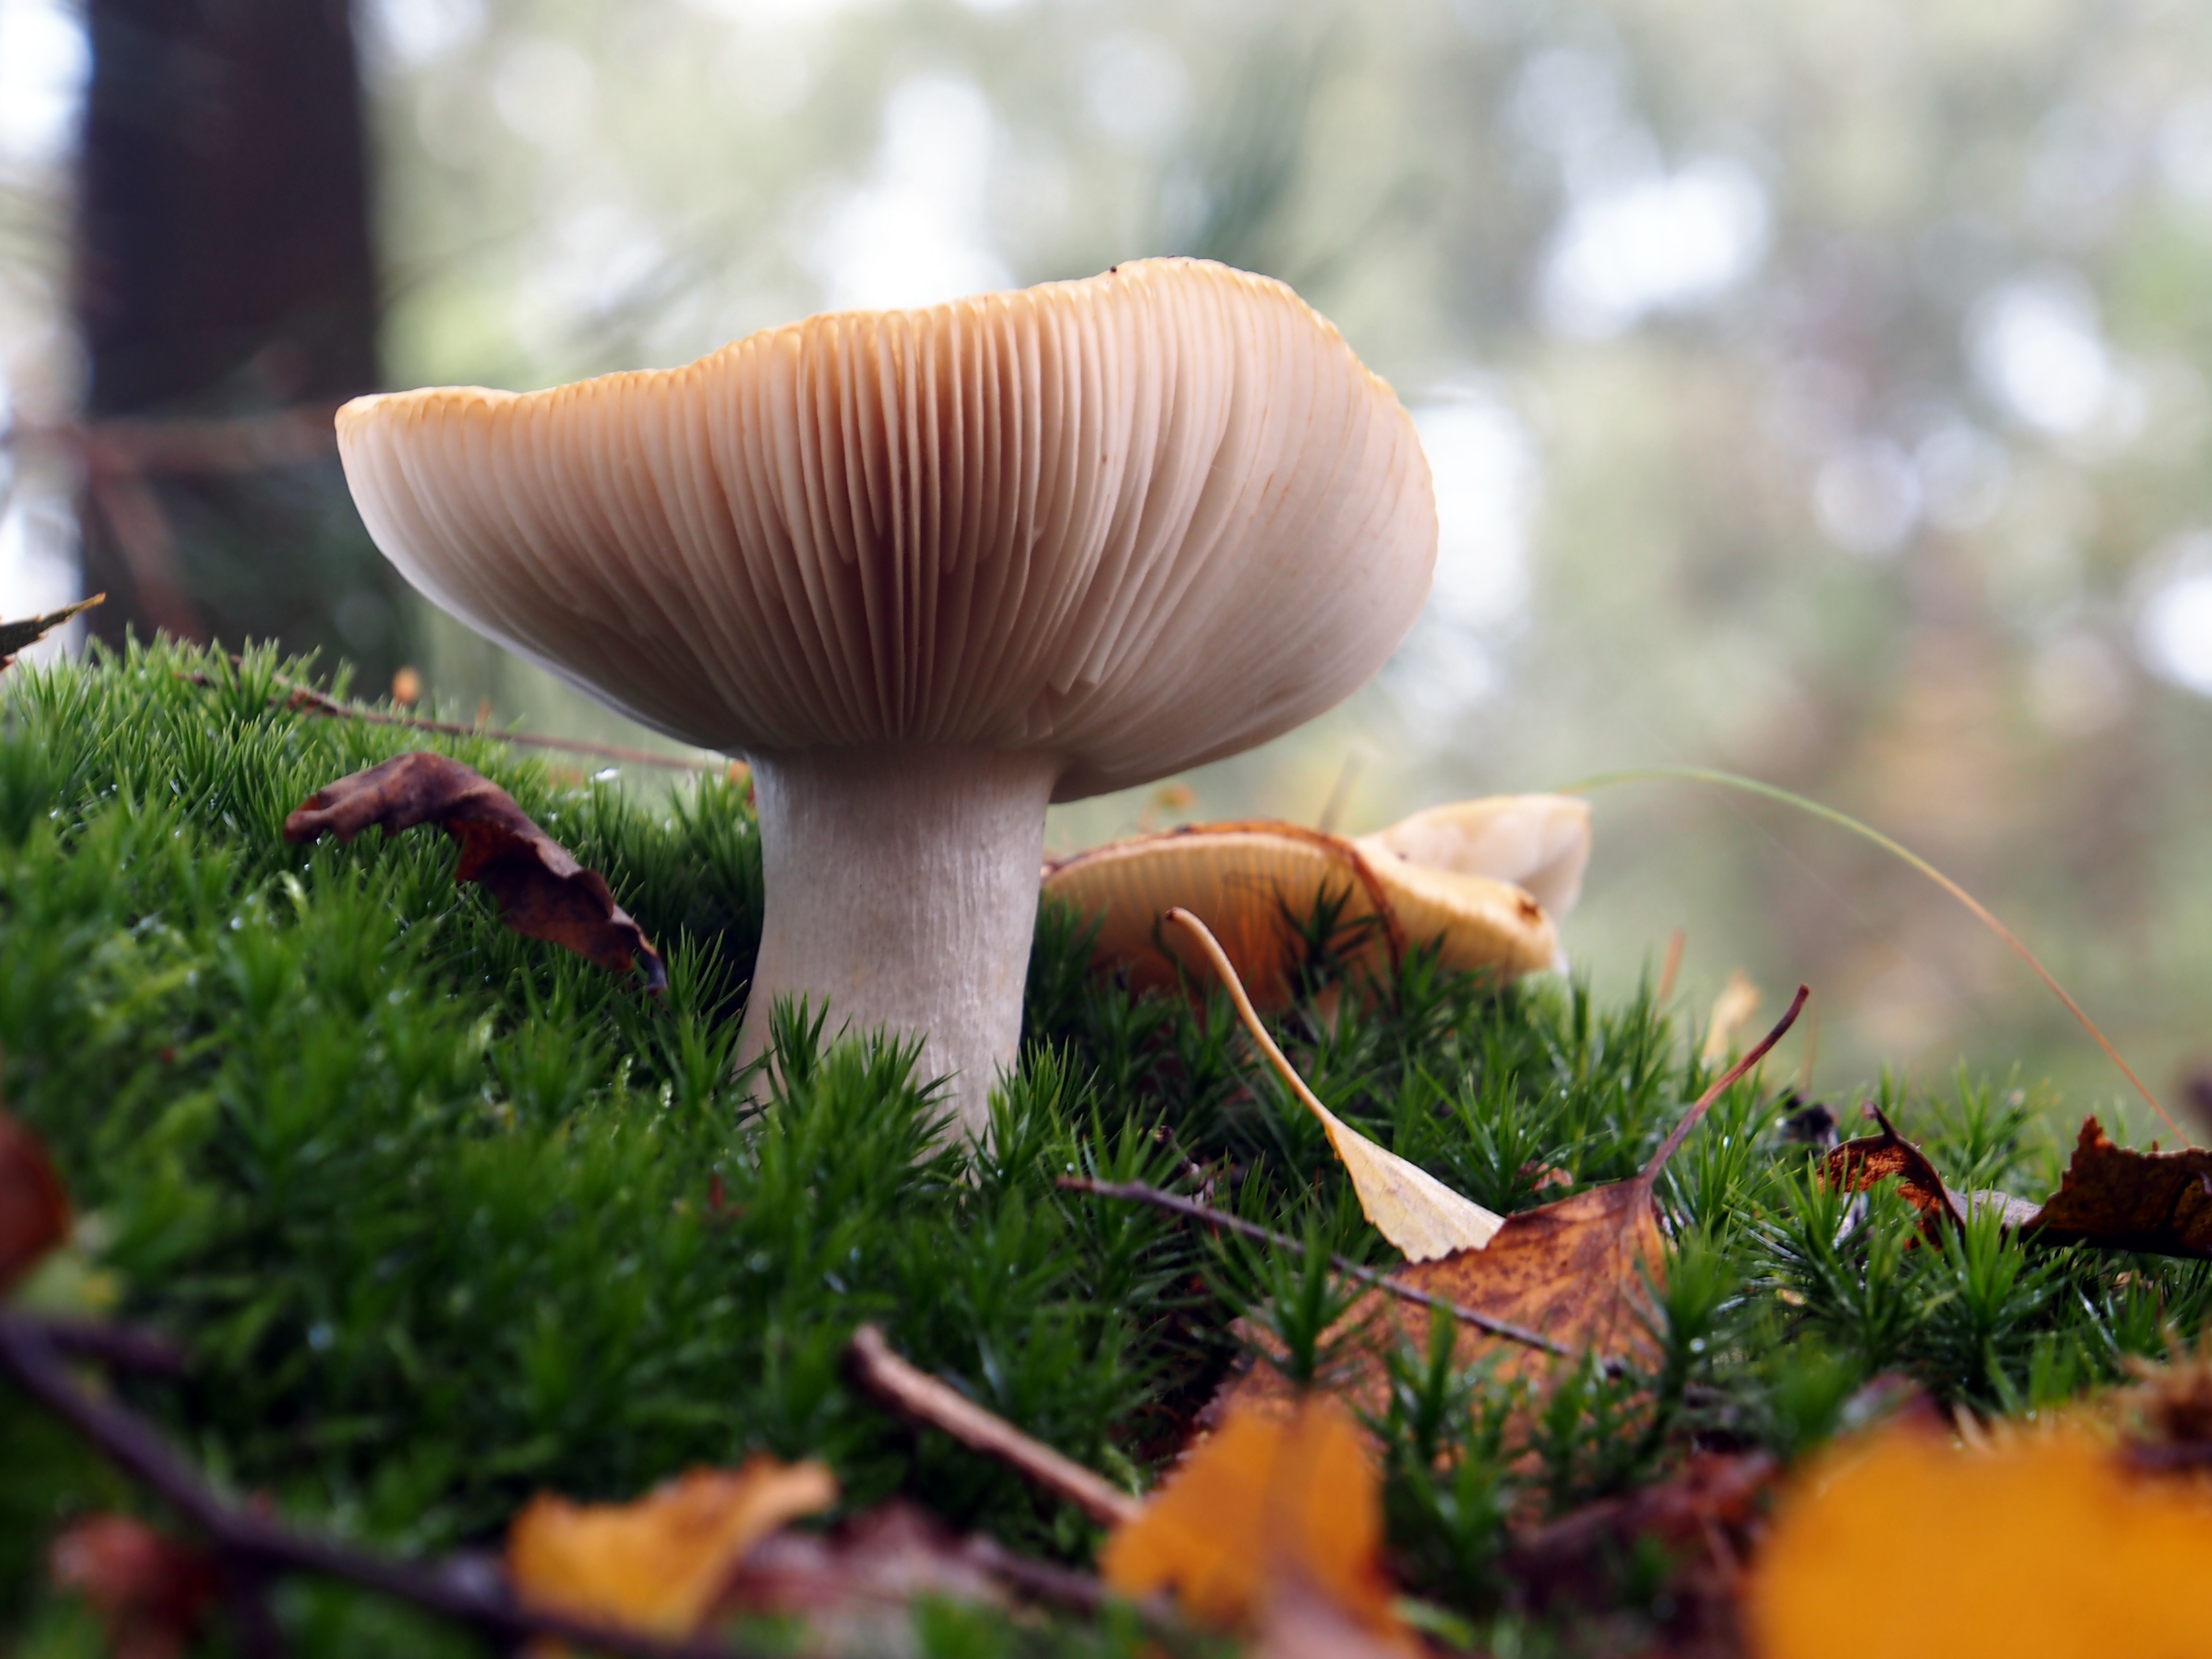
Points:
x=902, y=893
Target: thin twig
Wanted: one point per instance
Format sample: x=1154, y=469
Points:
x=305, y=699
x=1133, y=1192
x=32, y=1361
x=921, y=1398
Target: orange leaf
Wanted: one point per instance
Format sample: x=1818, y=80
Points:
x=541, y=889
x=1571, y=1271
x=659, y=1564
x=35, y=1212
x=2046, y=1548
x=1263, y=1502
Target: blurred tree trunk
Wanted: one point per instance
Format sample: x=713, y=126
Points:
x=224, y=269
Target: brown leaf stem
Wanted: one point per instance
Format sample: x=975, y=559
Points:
x=1133, y=1192
x=1691, y=1118
x=916, y=1396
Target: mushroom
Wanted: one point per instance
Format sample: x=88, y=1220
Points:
x=1466, y=877
x=1541, y=843
x=928, y=571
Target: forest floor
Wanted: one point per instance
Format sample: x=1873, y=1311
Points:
x=443, y=1217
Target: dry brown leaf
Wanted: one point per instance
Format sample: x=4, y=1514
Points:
x=661, y=1563
x=15, y=635
x=2126, y=1200
x=541, y=889
x=34, y=1212
x=1858, y=1164
x=2045, y=1547
x=1409, y=1207
x=1265, y=1500
x=1572, y=1272
x=151, y=1592
x=2111, y=1198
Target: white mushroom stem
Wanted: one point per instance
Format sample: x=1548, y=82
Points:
x=902, y=893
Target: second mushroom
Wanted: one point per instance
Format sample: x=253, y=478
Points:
x=929, y=571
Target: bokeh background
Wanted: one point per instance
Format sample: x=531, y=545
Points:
x=1817, y=390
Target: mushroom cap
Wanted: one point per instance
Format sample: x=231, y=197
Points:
x=1254, y=883
x=1541, y=843
x=1140, y=521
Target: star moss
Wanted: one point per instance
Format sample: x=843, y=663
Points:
x=447, y=1216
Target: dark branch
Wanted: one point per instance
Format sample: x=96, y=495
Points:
x=113, y=1345
x=33, y=1361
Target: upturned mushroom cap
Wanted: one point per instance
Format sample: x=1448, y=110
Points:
x=1253, y=884
x=1541, y=843
x=1137, y=522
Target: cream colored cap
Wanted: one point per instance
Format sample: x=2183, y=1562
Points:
x=1140, y=521
x=1539, y=843
x=1254, y=883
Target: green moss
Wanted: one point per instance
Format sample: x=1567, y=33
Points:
x=447, y=1215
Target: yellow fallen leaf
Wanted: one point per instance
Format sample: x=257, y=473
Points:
x=2044, y=1548
x=1408, y=1206
x=1732, y=1011
x=659, y=1564
x=1266, y=1502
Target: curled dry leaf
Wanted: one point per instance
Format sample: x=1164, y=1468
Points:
x=1409, y=1207
x=2127, y=1200
x=1266, y=1501
x=2111, y=1198
x=15, y=635
x=34, y=1212
x=1858, y=1164
x=1573, y=1272
x=662, y=1563
x=1256, y=882
x=150, y=1591
x=2044, y=1548
x=541, y=889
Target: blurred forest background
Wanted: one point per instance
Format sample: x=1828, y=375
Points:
x=1817, y=390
